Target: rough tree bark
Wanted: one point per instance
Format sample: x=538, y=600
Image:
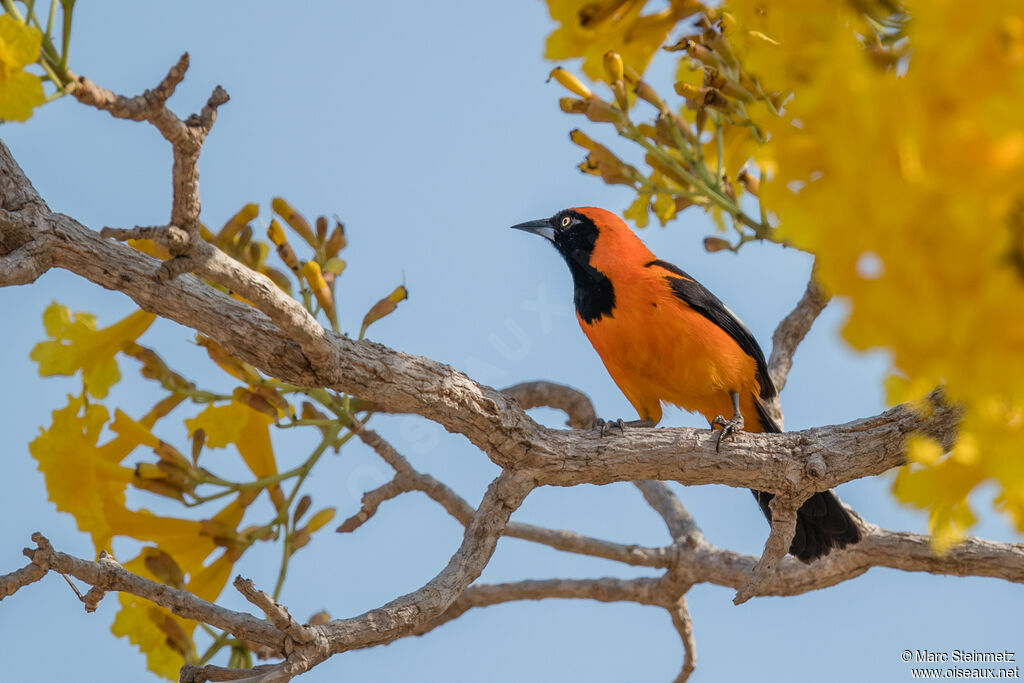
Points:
x=280, y=338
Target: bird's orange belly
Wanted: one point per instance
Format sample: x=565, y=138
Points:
x=671, y=353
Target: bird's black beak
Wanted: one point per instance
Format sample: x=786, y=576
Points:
x=540, y=227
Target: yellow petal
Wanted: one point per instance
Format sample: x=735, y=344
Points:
x=79, y=480
x=19, y=43
x=20, y=93
x=239, y=424
x=78, y=345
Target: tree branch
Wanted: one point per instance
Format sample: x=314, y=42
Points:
x=680, y=614
x=575, y=404
x=792, y=330
x=678, y=519
x=403, y=615
x=186, y=137
x=775, y=548
x=110, y=576
x=644, y=590
x=409, y=479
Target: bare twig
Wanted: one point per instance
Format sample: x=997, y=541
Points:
x=371, y=501
x=775, y=548
x=277, y=614
x=645, y=591
x=684, y=626
x=575, y=404
x=19, y=578
x=186, y=137
x=677, y=518
x=201, y=674
x=792, y=330
x=408, y=479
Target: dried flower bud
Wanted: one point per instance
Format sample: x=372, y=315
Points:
x=571, y=105
x=751, y=184
x=664, y=123
x=236, y=223
x=294, y=219
x=717, y=42
x=319, y=619
x=276, y=234
x=599, y=111
x=163, y=567
x=336, y=242
x=646, y=93
x=301, y=508
x=713, y=244
x=198, y=441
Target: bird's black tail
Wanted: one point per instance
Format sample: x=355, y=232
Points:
x=822, y=523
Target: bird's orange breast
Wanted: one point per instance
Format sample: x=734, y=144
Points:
x=658, y=349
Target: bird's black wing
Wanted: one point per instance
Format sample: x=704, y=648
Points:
x=697, y=297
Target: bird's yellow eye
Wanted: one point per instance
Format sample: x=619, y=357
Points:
x=566, y=221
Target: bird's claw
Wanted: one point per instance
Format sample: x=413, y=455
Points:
x=605, y=425
x=729, y=427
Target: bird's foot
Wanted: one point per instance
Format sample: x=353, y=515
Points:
x=729, y=427
x=606, y=425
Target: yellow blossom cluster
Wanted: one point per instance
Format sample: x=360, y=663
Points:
x=905, y=179
x=20, y=91
x=885, y=138
x=32, y=52
x=90, y=456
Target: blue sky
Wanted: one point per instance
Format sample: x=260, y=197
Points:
x=429, y=128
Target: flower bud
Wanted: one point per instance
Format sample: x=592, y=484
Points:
x=315, y=277
x=713, y=244
x=613, y=66
x=571, y=105
x=751, y=184
x=294, y=219
x=570, y=82
x=580, y=138
x=599, y=111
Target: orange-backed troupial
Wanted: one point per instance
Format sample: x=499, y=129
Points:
x=665, y=338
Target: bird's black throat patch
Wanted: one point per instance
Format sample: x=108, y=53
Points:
x=593, y=293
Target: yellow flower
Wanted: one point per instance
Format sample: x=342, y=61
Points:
x=78, y=345
x=906, y=185
x=79, y=479
x=20, y=91
x=249, y=430
x=590, y=29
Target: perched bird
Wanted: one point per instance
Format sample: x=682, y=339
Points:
x=664, y=338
